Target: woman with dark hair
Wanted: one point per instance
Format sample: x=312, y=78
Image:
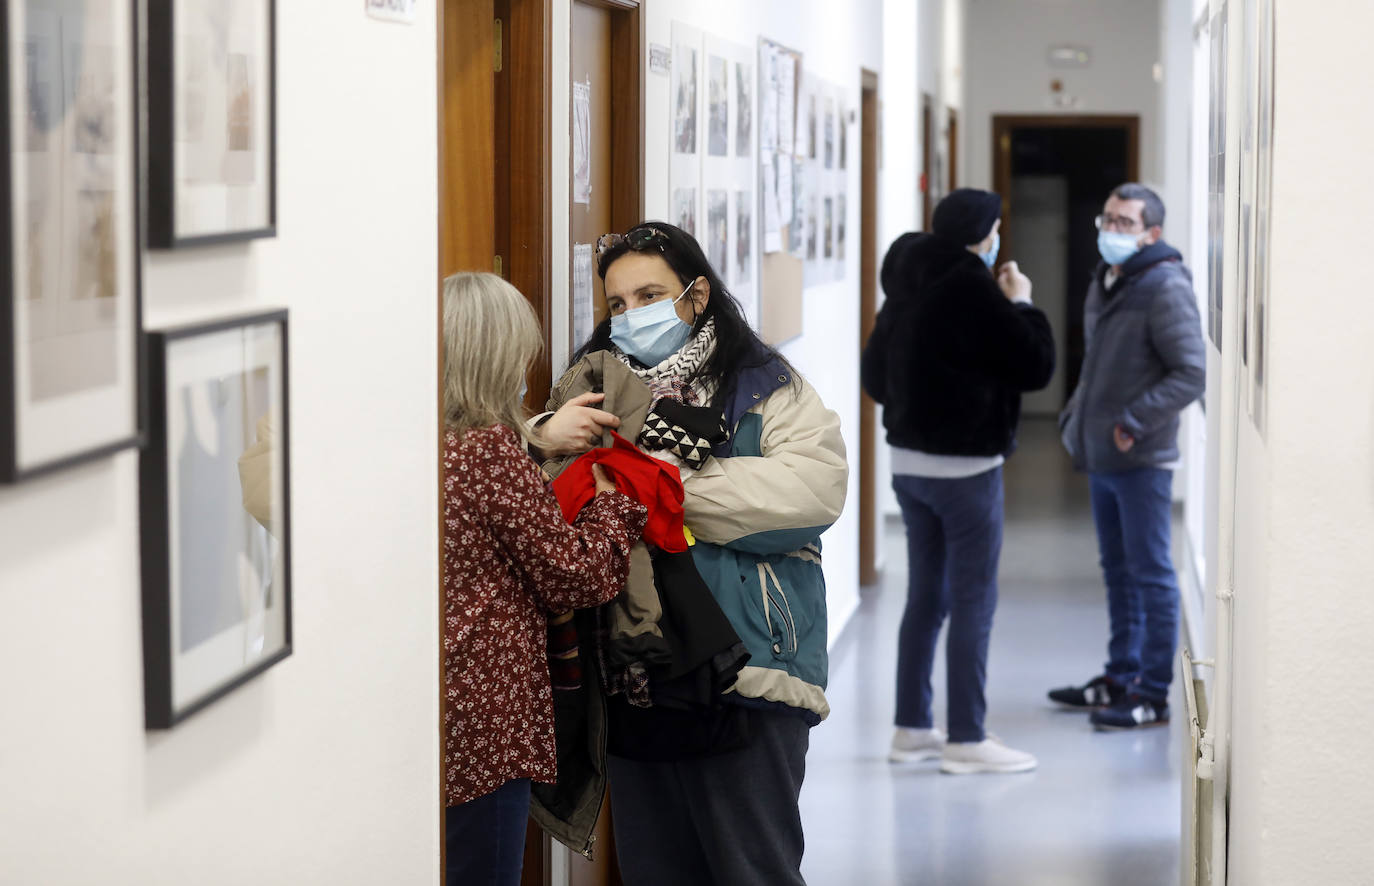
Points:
x=713, y=797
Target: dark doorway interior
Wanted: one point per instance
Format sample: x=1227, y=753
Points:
x=1071, y=164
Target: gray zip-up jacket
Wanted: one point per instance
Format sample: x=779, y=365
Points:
x=1144, y=362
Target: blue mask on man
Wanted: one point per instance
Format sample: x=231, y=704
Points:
x=990, y=257
x=653, y=333
x=1117, y=248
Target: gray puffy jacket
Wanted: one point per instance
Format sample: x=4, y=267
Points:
x=1144, y=362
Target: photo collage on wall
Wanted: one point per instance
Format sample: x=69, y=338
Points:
x=823, y=135
x=711, y=172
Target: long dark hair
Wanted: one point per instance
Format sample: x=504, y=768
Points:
x=737, y=346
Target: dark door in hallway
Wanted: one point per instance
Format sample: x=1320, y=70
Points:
x=1054, y=174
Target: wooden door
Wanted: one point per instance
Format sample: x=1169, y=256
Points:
x=524, y=202
x=869, y=518
x=605, y=57
x=467, y=137
x=495, y=212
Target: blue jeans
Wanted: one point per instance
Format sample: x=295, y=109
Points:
x=1132, y=511
x=485, y=837
x=953, y=542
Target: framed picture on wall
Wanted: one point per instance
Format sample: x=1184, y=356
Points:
x=215, y=496
x=69, y=274
x=211, y=121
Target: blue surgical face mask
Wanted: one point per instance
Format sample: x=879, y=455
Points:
x=524, y=389
x=990, y=257
x=653, y=333
x=1117, y=248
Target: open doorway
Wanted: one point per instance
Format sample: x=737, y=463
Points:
x=1053, y=174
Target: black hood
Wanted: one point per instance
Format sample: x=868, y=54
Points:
x=915, y=259
x=1144, y=260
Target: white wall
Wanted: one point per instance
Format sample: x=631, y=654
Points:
x=325, y=769
x=836, y=42
x=1182, y=185
x=1302, y=786
x=922, y=44
x=899, y=198
x=1176, y=123
x=1006, y=69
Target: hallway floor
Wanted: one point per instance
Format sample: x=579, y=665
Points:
x=1101, y=810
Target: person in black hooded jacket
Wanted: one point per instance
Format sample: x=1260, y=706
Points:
x=952, y=350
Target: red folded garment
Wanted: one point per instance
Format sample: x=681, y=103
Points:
x=655, y=484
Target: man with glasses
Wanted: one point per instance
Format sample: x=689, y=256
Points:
x=1143, y=364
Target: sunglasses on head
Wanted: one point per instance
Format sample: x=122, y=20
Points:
x=637, y=239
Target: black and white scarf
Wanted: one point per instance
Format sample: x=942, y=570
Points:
x=680, y=422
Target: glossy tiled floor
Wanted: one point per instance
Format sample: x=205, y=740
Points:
x=1102, y=809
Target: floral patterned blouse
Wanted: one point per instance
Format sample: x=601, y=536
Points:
x=510, y=560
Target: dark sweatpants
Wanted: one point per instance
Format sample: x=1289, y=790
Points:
x=728, y=820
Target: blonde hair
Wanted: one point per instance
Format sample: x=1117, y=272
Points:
x=490, y=338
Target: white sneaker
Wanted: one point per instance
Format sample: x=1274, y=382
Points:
x=988, y=755
x=915, y=745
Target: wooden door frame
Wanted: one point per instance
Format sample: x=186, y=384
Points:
x=524, y=138
x=870, y=524
x=927, y=136
x=953, y=115
x=1003, y=127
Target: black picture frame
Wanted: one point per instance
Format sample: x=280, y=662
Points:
x=165, y=230
x=167, y=702
x=16, y=464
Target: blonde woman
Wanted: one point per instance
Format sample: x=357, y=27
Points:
x=510, y=560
